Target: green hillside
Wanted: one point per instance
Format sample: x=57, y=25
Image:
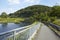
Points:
x=36, y=13
x=30, y=11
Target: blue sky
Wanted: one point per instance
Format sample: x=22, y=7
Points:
x=10, y=6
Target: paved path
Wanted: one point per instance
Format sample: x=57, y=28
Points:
x=46, y=34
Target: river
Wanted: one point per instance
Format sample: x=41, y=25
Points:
x=9, y=26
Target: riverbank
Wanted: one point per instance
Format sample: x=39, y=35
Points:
x=11, y=20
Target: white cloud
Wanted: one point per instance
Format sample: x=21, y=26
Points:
x=59, y=2
x=32, y=1
x=7, y=10
x=11, y=2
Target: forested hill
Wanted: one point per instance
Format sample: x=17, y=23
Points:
x=36, y=13
x=30, y=11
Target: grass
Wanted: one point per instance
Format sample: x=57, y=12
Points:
x=11, y=20
x=57, y=22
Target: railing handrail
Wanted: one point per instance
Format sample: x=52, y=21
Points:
x=20, y=31
x=55, y=25
x=30, y=26
x=14, y=30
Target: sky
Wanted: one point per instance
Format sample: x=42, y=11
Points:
x=10, y=6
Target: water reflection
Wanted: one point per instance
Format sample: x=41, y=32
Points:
x=4, y=24
x=10, y=26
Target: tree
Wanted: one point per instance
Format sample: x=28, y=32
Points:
x=30, y=11
x=36, y=16
x=4, y=15
x=55, y=11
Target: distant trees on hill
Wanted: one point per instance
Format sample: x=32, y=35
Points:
x=36, y=12
x=55, y=11
x=4, y=15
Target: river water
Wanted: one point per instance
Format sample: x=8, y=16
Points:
x=9, y=26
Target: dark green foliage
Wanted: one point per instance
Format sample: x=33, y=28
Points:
x=55, y=11
x=31, y=10
x=26, y=14
x=4, y=15
x=36, y=13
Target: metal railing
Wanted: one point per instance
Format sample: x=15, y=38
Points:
x=20, y=33
x=55, y=26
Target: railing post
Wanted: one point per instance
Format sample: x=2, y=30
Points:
x=14, y=32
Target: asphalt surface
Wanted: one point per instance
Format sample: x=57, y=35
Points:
x=46, y=34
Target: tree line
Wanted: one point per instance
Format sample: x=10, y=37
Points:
x=36, y=13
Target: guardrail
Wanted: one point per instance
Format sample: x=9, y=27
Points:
x=20, y=33
x=55, y=26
